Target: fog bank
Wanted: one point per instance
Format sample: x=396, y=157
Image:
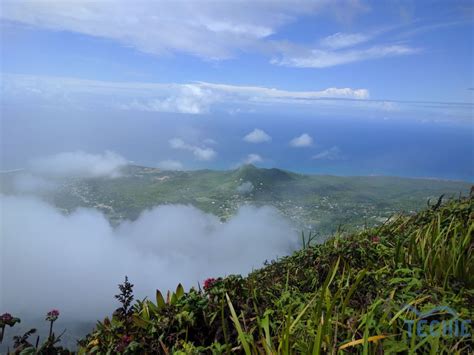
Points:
x=74, y=262
x=79, y=164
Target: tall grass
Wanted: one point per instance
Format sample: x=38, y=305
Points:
x=444, y=248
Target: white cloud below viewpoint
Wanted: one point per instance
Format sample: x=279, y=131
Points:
x=257, y=136
x=79, y=164
x=305, y=140
x=200, y=153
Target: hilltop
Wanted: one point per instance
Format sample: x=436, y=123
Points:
x=256, y=175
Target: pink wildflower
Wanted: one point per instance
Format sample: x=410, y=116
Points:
x=52, y=315
x=209, y=283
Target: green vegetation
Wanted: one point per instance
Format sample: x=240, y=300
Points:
x=21, y=343
x=313, y=202
x=351, y=294
x=405, y=286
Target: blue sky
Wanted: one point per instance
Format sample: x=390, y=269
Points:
x=362, y=87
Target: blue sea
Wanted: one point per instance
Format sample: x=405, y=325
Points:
x=342, y=145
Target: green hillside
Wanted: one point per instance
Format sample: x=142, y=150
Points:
x=404, y=287
x=351, y=293
x=318, y=203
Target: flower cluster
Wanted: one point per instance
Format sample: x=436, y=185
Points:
x=52, y=315
x=209, y=283
x=375, y=239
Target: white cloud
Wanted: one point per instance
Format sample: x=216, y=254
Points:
x=389, y=106
x=343, y=40
x=207, y=29
x=27, y=182
x=177, y=143
x=81, y=94
x=204, y=153
x=170, y=165
x=322, y=58
x=185, y=99
x=210, y=141
x=305, y=140
x=60, y=256
x=79, y=164
x=200, y=153
x=259, y=93
x=257, y=136
x=253, y=159
x=333, y=153
x=382, y=105
x=245, y=188
x=193, y=98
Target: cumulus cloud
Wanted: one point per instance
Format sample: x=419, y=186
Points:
x=200, y=153
x=177, y=143
x=74, y=262
x=190, y=99
x=333, y=153
x=245, y=188
x=170, y=165
x=79, y=164
x=253, y=159
x=204, y=153
x=305, y=140
x=257, y=136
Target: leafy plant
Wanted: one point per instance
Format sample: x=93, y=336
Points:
x=22, y=345
x=125, y=297
x=7, y=319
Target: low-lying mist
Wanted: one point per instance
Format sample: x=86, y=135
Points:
x=74, y=262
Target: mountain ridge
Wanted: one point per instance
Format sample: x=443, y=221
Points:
x=429, y=178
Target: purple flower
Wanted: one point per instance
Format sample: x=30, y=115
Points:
x=52, y=315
